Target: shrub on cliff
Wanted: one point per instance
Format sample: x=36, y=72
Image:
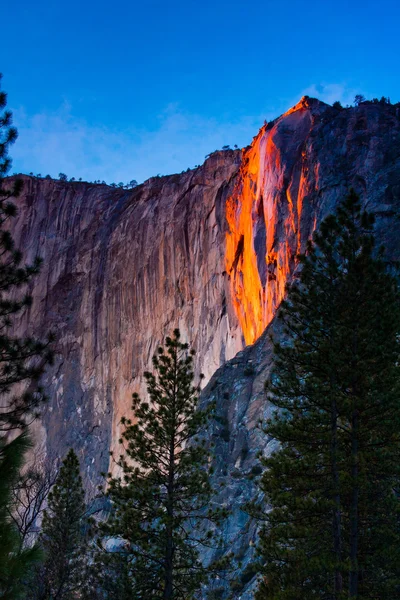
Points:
x=359, y=99
x=333, y=531
x=161, y=509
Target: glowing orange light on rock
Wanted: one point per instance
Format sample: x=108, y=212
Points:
x=263, y=216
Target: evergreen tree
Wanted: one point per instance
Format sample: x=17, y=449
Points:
x=22, y=361
x=161, y=506
x=109, y=576
x=64, y=537
x=332, y=485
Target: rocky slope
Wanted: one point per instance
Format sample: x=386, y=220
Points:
x=209, y=251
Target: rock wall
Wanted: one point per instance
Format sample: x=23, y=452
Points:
x=295, y=171
x=358, y=147
x=208, y=251
x=122, y=269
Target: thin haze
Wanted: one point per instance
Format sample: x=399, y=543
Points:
x=128, y=90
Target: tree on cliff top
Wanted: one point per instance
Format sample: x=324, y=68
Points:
x=333, y=531
x=359, y=99
x=161, y=506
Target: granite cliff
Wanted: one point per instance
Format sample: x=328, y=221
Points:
x=208, y=251
x=298, y=180
x=120, y=270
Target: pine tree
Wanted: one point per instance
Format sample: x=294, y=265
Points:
x=63, y=537
x=333, y=528
x=22, y=361
x=109, y=576
x=161, y=506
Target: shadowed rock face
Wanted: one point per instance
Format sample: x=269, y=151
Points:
x=208, y=251
x=358, y=147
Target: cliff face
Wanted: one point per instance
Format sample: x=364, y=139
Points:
x=358, y=147
x=121, y=269
x=208, y=251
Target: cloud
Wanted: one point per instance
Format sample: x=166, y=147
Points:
x=330, y=92
x=59, y=142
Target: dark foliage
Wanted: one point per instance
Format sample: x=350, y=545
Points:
x=63, y=539
x=22, y=362
x=162, y=509
x=333, y=530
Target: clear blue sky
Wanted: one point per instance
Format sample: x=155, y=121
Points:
x=127, y=89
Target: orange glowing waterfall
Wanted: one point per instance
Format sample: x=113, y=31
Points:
x=263, y=216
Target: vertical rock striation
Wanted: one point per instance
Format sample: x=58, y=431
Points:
x=121, y=269
x=327, y=152
x=208, y=251
x=296, y=169
x=265, y=216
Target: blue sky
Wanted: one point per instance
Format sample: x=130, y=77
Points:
x=125, y=90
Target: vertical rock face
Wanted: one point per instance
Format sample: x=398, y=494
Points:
x=358, y=147
x=265, y=215
x=208, y=251
x=296, y=170
x=121, y=269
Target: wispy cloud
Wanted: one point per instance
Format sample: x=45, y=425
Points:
x=330, y=92
x=59, y=141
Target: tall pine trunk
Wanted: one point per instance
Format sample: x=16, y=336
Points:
x=353, y=576
x=354, y=525
x=169, y=550
x=336, y=516
x=337, y=508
